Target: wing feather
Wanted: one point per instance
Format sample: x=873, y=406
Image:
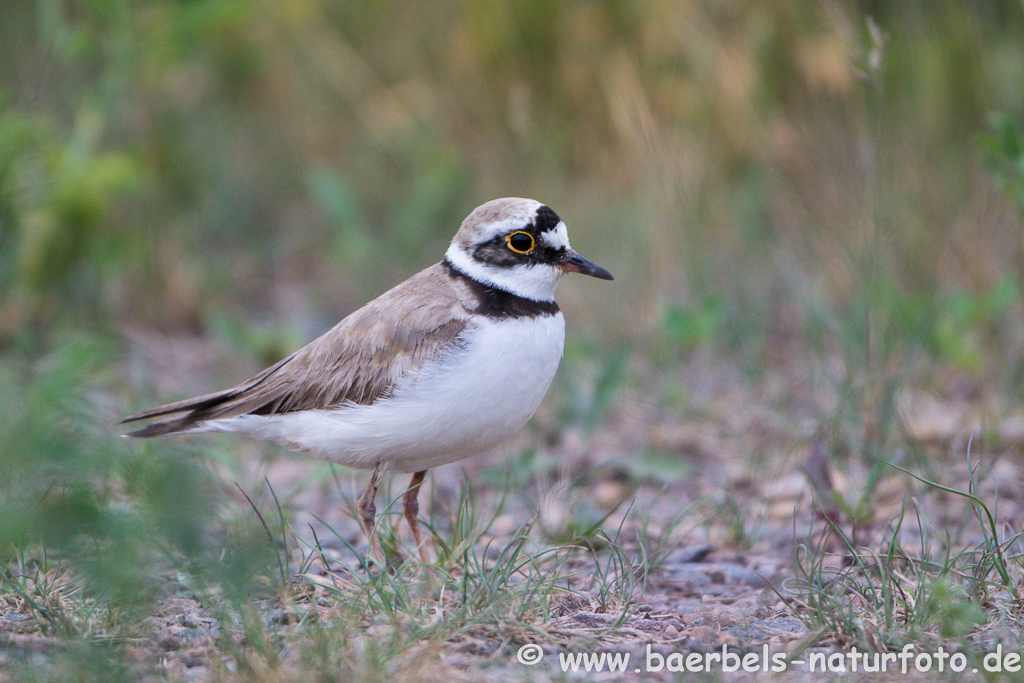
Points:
x=358, y=361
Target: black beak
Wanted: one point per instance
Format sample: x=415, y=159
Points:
x=575, y=263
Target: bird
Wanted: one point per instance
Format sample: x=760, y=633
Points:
x=444, y=366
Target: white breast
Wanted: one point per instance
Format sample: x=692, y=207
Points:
x=462, y=405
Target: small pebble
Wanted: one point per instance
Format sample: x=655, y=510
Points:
x=169, y=643
x=503, y=525
x=608, y=494
x=704, y=635
x=282, y=616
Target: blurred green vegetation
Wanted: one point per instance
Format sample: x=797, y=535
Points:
x=162, y=161
x=849, y=175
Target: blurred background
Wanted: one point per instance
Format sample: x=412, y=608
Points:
x=190, y=189
x=185, y=165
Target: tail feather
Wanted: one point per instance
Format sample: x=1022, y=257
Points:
x=199, y=408
x=193, y=408
x=173, y=426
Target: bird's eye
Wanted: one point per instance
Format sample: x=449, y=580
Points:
x=521, y=242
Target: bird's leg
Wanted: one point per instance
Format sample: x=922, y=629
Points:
x=368, y=514
x=411, y=507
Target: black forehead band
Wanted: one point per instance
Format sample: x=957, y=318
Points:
x=546, y=219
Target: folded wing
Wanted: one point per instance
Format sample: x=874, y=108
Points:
x=358, y=361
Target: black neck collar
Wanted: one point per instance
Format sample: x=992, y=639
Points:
x=498, y=303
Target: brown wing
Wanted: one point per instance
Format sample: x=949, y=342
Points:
x=357, y=361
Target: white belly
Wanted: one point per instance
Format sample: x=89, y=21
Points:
x=468, y=403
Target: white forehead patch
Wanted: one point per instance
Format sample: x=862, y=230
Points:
x=557, y=237
x=503, y=227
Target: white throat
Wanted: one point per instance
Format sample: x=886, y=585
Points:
x=537, y=281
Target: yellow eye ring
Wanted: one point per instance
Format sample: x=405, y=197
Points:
x=519, y=245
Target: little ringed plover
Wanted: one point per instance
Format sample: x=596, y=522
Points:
x=442, y=367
